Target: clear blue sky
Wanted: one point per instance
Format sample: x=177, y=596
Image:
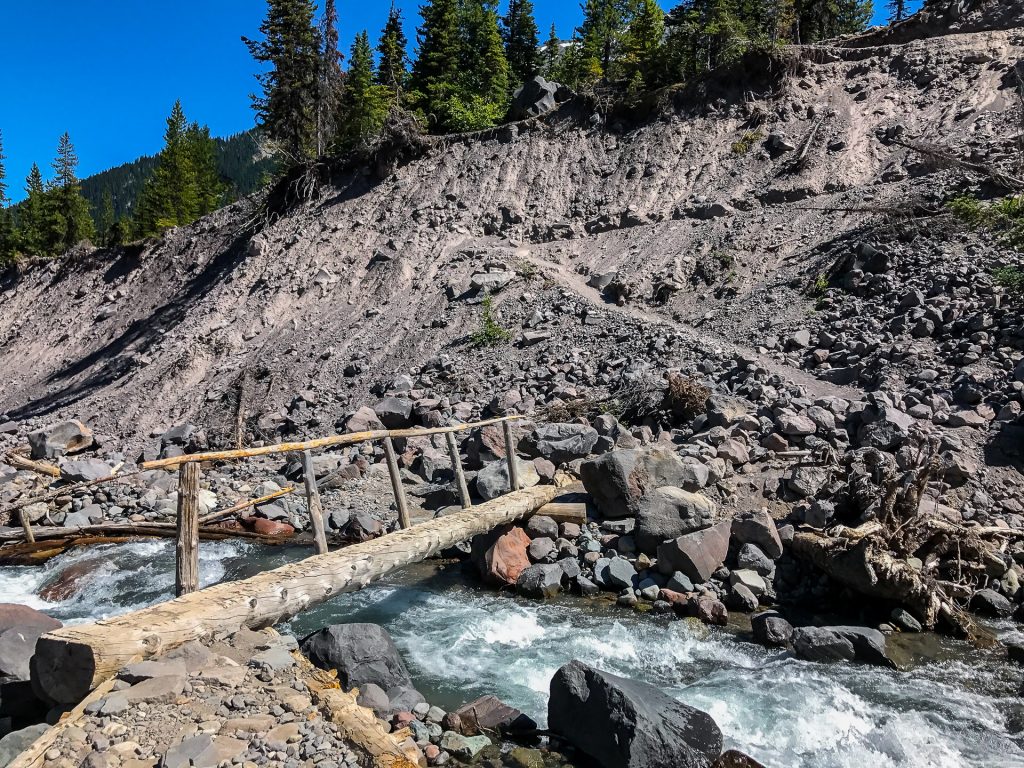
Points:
x=108, y=71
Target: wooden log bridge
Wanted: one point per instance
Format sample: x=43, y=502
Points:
x=70, y=662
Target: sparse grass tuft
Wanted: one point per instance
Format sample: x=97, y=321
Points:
x=746, y=142
x=1011, y=278
x=686, y=396
x=490, y=333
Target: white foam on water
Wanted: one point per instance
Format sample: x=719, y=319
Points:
x=462, y=643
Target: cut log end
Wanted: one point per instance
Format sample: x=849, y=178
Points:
x=63, y=671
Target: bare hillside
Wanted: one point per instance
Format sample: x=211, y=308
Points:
x=714, y=214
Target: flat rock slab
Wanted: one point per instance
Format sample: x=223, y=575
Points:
x=146, y=670
x=203, y=751
x=156, y=690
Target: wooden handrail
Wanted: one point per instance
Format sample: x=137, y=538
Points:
x=323, y=442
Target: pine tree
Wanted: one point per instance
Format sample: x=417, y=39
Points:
x=209, y=188
x=639, y=62
x=519, y=32
x=330, y=81
x=364, y=104
x=286, y=110
x=603, y=24
x=6, y=225
x=3, y=175
x=825, y=19
x=392, y=69
x=897, y=11
x=31, y=215
x=170, y=196
x=435, y=73
x=552, y=54
x=105, y=218
x=70, y=221
x=485, y=70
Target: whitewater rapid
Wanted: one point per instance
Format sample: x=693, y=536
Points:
x=461, y=642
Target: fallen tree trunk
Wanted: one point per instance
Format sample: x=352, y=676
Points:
x=869, y=569
x=47, y=547
x=71, y=661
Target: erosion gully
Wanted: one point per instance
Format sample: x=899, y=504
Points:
x=952, y=706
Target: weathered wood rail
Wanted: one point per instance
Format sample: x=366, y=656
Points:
x=70, y=662
x=187, y=546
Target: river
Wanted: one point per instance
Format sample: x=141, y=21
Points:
x=962, y=708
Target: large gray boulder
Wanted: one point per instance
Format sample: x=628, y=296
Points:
x=622, y=723
x=394, y=412
x=57, y=440
x=84, y=470
x=540, y=581
x=696, y=555
x=560, y=443
x=758, y=528
x=534, y=98
x=492, y=480
x=619, y=480
x=16, y=742
x=361, y=653
x=667, y=513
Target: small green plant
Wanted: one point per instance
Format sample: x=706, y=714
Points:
x=746, y=142
x=725, y=259
x=820, y=285
x=1011, y=278
x=526, y=269
x=490, y=333
x=1005, y=216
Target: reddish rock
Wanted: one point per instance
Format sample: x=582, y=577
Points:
x=678, y=599
x=363, y=420
x=709, y=610
x=507, y=557
x=489, y=714
x=431, y=752
x=14, y=615
x=402, y=719
x=267, y=527
x=68, y=582
x=545, y=469
x=735, y=759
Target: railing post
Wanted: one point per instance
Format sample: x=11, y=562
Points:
x=510, y=457
x=26, y=524
x=187, y=549
x=460, y=476
x=396, y=483
x=316, y=510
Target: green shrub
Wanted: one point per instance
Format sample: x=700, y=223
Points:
x=820, y=285
x=746, y=142
x=1011, y=278
x=475, y=115
x=490, y=333
x=1004, y=217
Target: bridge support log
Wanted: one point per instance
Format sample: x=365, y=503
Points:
x=70, y=662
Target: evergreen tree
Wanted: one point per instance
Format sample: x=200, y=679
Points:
x=604, y=22
x=824, y=19
x=435, y=73
x=105, y=218
x=392, y=69
x=330, y=82
x=640, y=60
x=170, y=196
x=519, y=32
x=6, y=224
x=286, y=110
x=3, y=175
x=704, y=35
x=202, y=150
x=364, y=104
x=69, y=222
x=552, y=54
x=185, y=184
x=897, y=11
x=32, y=214
x=485, y=70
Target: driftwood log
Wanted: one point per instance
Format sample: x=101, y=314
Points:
x=72, y=661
